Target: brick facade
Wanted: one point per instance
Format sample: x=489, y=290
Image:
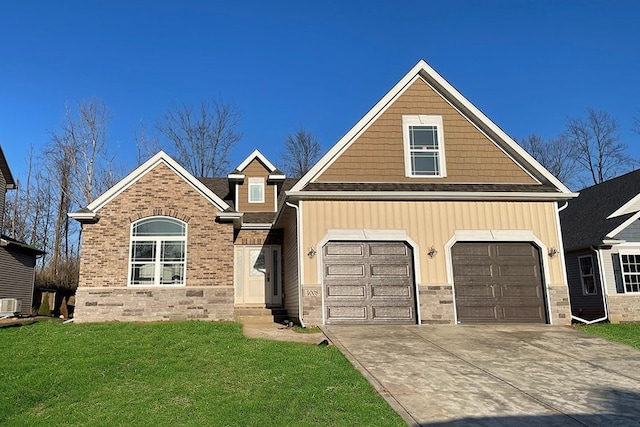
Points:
x=436, y=304
x=560, y=306
x=623, y=308
x=104, y=262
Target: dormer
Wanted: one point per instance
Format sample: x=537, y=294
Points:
x=256, y=183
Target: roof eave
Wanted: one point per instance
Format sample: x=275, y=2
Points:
x=428, y=195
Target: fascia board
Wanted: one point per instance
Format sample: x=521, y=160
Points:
x=426, y=195
x=142, y=170
x=625, y=209
x=624, y=225
x=79, y=216
x=260, y=156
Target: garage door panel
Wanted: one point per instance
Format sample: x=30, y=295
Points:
x=345, y=270
x=387, y=313
x=342, y=249
x=522, y=314
x=472, y=292
x=375, y=288
x=388, y=249
x=353, y=291
x=472, y=270
x=518, y=270
x=479, y=314
x=390, y=291
x=346, y=313
x=390, y=270
x=504, y=285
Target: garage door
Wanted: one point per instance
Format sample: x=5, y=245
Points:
x=498, y=283
x=368, y=283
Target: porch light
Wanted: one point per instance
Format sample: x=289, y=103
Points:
x=432, y=252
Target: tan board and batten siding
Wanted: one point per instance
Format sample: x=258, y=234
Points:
x=428, y=224
x=255, y=169
x=379, y=152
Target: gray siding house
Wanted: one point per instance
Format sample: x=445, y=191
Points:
x=601, y=233
x=17, y=259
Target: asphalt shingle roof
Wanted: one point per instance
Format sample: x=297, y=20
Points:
x=584, y=221
x=392, y=186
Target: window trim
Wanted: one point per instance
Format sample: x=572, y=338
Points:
x=424, y=120
x=582, y=276
x=257, y=181
x=157, y=262
x=622, y=272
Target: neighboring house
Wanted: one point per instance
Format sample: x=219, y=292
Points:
x=424, y=212
x=17, y=259
x=601, y=231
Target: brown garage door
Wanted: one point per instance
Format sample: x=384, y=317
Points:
x=498, y=283
x=368, y=282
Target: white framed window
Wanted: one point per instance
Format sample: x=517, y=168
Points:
x=158, y=252
x=423, y=139
x=630, y=266
x=587, y=276
x=256, y=190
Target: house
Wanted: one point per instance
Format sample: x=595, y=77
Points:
x=17, y=259
x=424, y=212
x=601, y=231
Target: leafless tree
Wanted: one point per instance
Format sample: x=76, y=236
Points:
x=147, y=145
x=301, y=152
x=557, y=155
x=597, y=146
x=202, y=138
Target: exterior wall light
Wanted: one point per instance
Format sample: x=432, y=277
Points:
x=553, y=252
x=432, y=252
x=312, y=252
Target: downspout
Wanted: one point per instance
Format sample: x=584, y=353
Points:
x=299, y=244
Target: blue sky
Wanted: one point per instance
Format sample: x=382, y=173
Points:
x=528, y=65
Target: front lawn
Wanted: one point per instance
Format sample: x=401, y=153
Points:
x=626, y=333
x=176, y=374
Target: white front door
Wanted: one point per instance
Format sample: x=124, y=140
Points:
x=258, y=275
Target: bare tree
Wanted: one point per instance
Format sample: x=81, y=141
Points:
x=301, y=152
x=597, y=146
x=557, y=155
x=203, y=137
x=147, y=145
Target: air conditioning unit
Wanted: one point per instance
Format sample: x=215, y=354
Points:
x=10, y=306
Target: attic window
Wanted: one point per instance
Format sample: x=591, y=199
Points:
x=423, y=146
x=256, y=190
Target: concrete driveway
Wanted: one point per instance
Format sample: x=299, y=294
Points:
x=496, y=375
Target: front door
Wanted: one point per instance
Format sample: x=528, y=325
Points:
x=258, y=275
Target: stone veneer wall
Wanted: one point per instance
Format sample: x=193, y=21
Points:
x=624, y=308
x=103, y=293
x=560, y=306
x=436, y=304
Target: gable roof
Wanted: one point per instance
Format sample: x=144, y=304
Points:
x=600, y=212
x=160, y=158
x=6, y=172
x=423, y=71
x=255, y=155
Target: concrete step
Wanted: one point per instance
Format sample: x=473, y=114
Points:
x=260, y=315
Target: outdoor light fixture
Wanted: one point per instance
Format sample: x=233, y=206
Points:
x=553, y=252
x=432, y=252
x=312, y=252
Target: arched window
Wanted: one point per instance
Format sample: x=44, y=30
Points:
x=158, y=251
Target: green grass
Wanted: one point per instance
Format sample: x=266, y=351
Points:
x=626, y=333
x=176, y=374
x=309, y=330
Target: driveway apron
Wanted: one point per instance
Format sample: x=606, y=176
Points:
x=459, y=375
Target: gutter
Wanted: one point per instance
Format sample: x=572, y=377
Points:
x=299, y=244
